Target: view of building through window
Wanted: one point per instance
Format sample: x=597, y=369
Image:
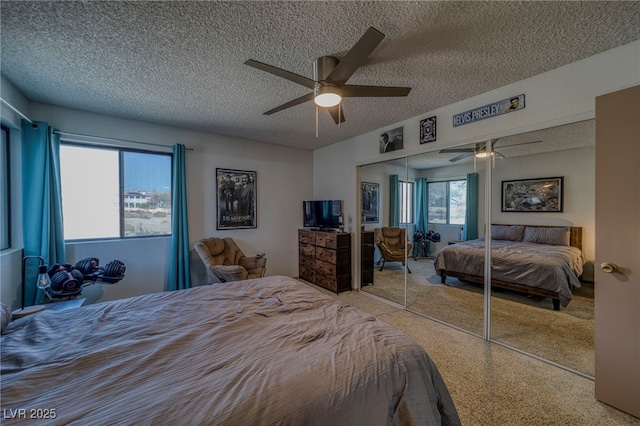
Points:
x=147, y=194
x=114, y=193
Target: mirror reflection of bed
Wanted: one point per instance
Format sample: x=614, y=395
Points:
x=523, y=320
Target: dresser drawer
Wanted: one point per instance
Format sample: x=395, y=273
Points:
x=306, y=250
x=308, y=274
x=306, y=236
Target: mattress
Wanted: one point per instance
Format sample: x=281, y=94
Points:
x=551, y=267
x=261, y=352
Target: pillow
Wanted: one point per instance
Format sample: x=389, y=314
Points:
x=507, y=232
x=5, y=316
x=552, y=236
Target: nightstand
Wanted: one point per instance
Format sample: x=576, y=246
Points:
x=53, y=306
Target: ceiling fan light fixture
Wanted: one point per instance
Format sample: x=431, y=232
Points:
x=483, y=154
x=327, y=96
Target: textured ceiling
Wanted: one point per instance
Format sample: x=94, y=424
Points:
x=181, y=63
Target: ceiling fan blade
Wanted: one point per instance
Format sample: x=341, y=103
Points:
x=498, y=155
x=334, y=114
x=289, y=104
x=351, y=91
x=296, y=78
x=350, y=62
x=447, y=150
x=518, y=144
x=460, y=157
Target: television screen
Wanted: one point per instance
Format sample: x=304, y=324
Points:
x=322, y=214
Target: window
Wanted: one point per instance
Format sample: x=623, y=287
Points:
x=114, y=193
x=5, y=192
x=406, y=202
x=447, y=202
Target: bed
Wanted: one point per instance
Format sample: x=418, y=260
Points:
x=544, y=261
x=261, y=352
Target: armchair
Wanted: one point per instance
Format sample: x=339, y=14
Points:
x=393, y=245
x=225, y=261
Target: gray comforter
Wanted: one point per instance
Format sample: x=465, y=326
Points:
x=257, y=352
x=554, y=268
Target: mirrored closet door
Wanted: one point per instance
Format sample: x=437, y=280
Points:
x=543, y=216
x=542, y=201
x=449, y=201
x=385, y=191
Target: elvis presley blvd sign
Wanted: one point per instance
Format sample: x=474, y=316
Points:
x=497, y=108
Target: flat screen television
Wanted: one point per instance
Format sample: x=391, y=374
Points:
x=322, y=214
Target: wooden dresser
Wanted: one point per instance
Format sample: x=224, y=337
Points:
x=324, y=258
x=366, y=258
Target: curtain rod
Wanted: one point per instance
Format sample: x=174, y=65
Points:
x=15, y=110
x=78, y=135
x=106, y=139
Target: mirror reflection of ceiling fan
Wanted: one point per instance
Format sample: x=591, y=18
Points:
x=479, y=149
x=330, y=76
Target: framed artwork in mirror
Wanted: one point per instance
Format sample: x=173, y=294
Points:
x=236, y=199
x=370, y=197
x=533, y=195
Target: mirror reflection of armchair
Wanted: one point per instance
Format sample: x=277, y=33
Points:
x=225, y=261
x=393, y=245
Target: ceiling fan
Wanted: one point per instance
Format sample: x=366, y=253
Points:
x=479, y=150
x=330, y=76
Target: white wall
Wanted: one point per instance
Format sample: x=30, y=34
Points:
x=279, y=202
x=564, y=95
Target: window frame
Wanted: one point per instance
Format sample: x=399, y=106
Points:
x=6, y=186
x=121, y=177
x=447, y=203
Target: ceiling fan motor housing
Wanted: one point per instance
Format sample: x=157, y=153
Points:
x=322, y=67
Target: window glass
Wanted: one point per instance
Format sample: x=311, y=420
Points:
x=447, y=202
x=457, y=201
x=114, y=193
x=406, y=202
x=437, y=196
x=5, y=192
x=90, y=192
x=147, y=194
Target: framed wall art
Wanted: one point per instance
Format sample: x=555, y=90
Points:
x=236, y=195
x=533, y=195
x=370, y=200
x=392, y=140
x=428, y=130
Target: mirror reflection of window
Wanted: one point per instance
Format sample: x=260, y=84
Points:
x=406, y=201
x=447, y=202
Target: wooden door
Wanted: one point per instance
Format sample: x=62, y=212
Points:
x=617, y=293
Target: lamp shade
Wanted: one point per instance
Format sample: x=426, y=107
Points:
x=327, y=96
x=483, y=154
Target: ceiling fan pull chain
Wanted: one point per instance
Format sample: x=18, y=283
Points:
x=339, y=114
x=316, y=121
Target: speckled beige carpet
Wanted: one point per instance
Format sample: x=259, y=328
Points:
x=524, y=322
x=492, y=385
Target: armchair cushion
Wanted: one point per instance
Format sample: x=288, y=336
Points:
x=225, y=261
x=392, y=243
